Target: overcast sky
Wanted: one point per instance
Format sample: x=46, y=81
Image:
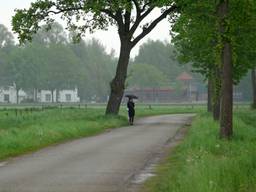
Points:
x=108, y=38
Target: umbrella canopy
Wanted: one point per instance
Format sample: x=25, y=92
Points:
x=131, y=96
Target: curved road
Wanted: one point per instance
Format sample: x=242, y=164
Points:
x=103, y=163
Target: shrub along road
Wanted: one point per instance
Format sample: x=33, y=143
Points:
x=101, y=163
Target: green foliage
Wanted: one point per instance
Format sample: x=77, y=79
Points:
x=6, y=38
x=3, y=66
x=146, y=76
x=205, y=163
x=127, y=16
x=93, y=14
x=53, y=35
x=61, y=68
x=162, y=56
x=197, y=37
x=97, y=69
x=51, y=62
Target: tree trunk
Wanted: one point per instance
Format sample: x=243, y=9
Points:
x=57, y=96
x=226, y=124
x=253, y=73
x=226, y=119
x=35, y=95
x=17, y=95
x=52, y=93
x=117, y=85
x=216, y=93
x=209, y=96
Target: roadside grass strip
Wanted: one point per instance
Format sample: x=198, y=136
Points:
x=204, y=163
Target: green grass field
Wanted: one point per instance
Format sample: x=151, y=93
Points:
x=204, y=163
x=26, y=130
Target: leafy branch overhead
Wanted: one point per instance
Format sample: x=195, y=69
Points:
x=83, y=15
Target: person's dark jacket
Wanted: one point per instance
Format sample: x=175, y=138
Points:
x=131, y=110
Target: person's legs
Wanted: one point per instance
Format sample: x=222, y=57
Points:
x=132, y=118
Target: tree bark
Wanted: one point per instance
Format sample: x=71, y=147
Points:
x=35, y=95
x=253, y=76
x=52, y=93
x=226, y=118
x=216, y=93
x=209, y=96
x=57, y=96
x=17, y=95
x=117, y=85
x=226, y=124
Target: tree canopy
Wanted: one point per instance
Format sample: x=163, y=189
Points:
x=218, y=36
x=52, y=62
x=127, y=15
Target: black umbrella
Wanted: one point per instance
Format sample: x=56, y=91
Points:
x=131, y=96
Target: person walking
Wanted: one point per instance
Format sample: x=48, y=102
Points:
x=131, y=110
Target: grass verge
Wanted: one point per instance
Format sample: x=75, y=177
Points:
x=204, y=163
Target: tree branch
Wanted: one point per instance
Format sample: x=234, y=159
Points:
x=139, y=19
x=64, y=10
x=137, y=6
x=144, y=7
x=127, y=20
x=148, y=29
x=109, y=13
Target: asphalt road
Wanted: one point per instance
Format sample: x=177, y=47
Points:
x=103, y=163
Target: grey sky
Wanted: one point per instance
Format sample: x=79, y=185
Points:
x=108, y=38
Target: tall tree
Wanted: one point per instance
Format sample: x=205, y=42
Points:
x=6, y=38
x=53, y=34
x=226, y=122
x=194, y=36
x=17, y=70
x=220, y=30
x=97, y=69
x=253, y=78
x=146, y=76
x=162, y=56
x=127, y=15
x=60, y=69
x=6, y=44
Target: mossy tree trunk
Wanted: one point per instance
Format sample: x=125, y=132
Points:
x=226, y=115
x=253, y=76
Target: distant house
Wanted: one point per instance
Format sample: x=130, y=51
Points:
x=8, y=94
x=64, y=96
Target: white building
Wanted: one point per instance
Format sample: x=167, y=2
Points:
x=69, y=96
x=64, y=96
x=8, y=94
